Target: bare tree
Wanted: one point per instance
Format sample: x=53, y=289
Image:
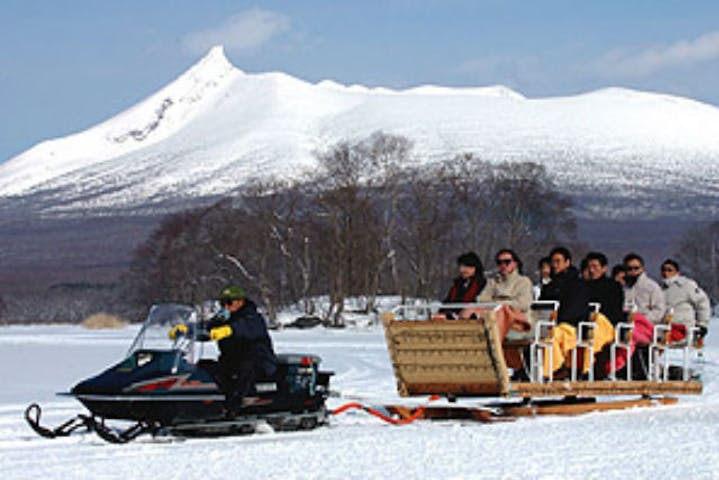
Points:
x=366, y=223
x=429, y=222
x=699, y=256
x=358, y=194
x=530, y=211
x=171, y=266
x=389, y=156
x=3, y=310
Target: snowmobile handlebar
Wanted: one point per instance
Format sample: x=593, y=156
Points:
x=180, y=331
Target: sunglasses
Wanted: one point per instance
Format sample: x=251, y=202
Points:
x=634, y=269
x=226, y=301
x=668, y=269
x=504, y=261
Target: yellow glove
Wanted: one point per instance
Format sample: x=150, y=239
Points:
x=177, y=331
x=218, y=333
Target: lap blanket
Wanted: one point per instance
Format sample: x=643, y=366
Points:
x=643, y=333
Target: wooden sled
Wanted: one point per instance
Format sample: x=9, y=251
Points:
x=465, y=358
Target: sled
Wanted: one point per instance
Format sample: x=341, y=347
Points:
x=466, y=358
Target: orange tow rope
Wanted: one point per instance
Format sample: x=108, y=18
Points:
x=394, y=421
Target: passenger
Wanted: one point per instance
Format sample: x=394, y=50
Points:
x=545, y=276
x=610, y=296
x=688, y=303
x=641, y=292
x=644, y=302
x=466, y=286
x=567, y=288
x=514, y=291
x=510, y=288
x=573, y=296
x=618, y=274
x=603, y=290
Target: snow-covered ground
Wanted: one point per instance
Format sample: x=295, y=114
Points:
x=663, y=442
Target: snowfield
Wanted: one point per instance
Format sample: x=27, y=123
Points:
x=654, y=443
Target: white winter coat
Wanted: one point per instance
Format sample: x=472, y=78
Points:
x=690, y=303
x=648, y=298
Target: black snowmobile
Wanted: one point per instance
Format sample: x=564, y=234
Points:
x=169, y=391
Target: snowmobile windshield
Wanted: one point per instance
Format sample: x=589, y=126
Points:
x=160, y=320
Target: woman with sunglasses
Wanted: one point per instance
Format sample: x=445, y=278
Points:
x=509, y=288
x=515, y=292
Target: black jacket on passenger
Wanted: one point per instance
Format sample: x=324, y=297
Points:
x=250, y=342
x=610, y=295
x=568, y=289
x=463, y=290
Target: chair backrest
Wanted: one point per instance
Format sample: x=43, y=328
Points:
x=424, y=311
x=459, y=357
x=544, y=310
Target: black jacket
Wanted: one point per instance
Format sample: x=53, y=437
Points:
x=568, y=288
x=610, y=295
x=250, y=341
x=463, y=291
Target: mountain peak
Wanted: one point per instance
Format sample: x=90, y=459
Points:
x=214, y=122
x=215, y=60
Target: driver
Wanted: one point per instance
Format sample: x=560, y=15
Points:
x=246, y=353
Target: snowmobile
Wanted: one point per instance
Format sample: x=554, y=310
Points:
x=169, y=391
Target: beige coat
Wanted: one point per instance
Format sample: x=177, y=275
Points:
x=515, y=290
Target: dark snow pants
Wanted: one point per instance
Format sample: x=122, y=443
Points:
x=235, y=379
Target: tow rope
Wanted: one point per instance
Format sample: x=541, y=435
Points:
x=394, y=421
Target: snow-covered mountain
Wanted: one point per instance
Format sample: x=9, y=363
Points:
x=619, y=152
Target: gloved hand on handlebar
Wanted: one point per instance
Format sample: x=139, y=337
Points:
x=218, y=333
x=177, y=331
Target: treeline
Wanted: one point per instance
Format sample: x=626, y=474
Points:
x=371, y=220
x=66, y=303
x=698, y=255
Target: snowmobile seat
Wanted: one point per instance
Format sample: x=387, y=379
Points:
x=297, y=359
x=294, y=372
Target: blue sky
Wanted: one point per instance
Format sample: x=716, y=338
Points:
x=67, y=65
